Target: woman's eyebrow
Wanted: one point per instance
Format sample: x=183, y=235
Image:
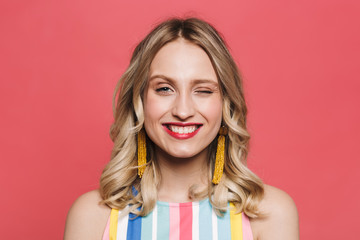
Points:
x=194, y=82
x=162, y=77
x=207, y=81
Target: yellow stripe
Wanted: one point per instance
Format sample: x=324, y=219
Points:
x=113, y=224
x=235, y=224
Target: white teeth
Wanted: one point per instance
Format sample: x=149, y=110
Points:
x=182, y=130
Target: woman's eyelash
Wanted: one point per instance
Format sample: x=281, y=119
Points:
x=163, y=89
x=205, y=91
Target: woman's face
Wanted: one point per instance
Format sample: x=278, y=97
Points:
x=182, y=101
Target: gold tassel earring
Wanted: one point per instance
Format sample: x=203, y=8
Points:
x=220, y=154
x=141, y=152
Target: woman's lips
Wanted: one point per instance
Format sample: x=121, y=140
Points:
x=182, y=130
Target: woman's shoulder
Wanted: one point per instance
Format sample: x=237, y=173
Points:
x=280, y=216
x=87, y=218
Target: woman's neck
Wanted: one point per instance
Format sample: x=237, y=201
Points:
x=179, y=174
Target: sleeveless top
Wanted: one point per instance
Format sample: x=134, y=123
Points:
x=179, y=221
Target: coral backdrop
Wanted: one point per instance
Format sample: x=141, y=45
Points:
x=60, y=61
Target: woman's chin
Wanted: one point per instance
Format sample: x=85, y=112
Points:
x=182, y=153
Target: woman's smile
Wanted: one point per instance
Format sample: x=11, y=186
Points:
x=181, y=130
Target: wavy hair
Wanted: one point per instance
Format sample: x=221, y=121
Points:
x=119, y=179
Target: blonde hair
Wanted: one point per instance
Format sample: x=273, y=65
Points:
x=119, y=179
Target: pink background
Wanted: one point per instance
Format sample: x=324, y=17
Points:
x=60, y=61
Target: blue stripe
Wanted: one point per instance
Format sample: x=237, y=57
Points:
x=163, y=221
x=134, y=223
x=134, y=227
x=134, y=191
x=205, y=221
x=146, y=226
x=224, y=227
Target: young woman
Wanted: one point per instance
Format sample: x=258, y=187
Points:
x=178, y=167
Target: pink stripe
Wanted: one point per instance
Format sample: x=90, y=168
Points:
x=186, y=221
x=174, y=233
x=247, y=233
x=106, y=234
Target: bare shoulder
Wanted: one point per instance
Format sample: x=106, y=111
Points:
x=87, y=218
x=280, y=220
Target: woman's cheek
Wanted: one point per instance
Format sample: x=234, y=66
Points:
x=211, y=107
x=155, y=106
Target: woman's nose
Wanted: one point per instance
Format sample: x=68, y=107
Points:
x=183, y=107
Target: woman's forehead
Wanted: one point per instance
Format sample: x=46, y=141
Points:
x=182, y=59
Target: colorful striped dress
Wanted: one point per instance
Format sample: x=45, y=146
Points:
x=178, y=221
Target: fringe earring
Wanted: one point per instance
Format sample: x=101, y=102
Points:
x=220, y=154
x=141, y=152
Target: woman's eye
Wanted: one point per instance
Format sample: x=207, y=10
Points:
x=205, y=91
x=163, y=89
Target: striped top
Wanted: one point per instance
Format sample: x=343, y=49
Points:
x=179, y=221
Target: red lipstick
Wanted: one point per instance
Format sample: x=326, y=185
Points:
x=181, y=136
